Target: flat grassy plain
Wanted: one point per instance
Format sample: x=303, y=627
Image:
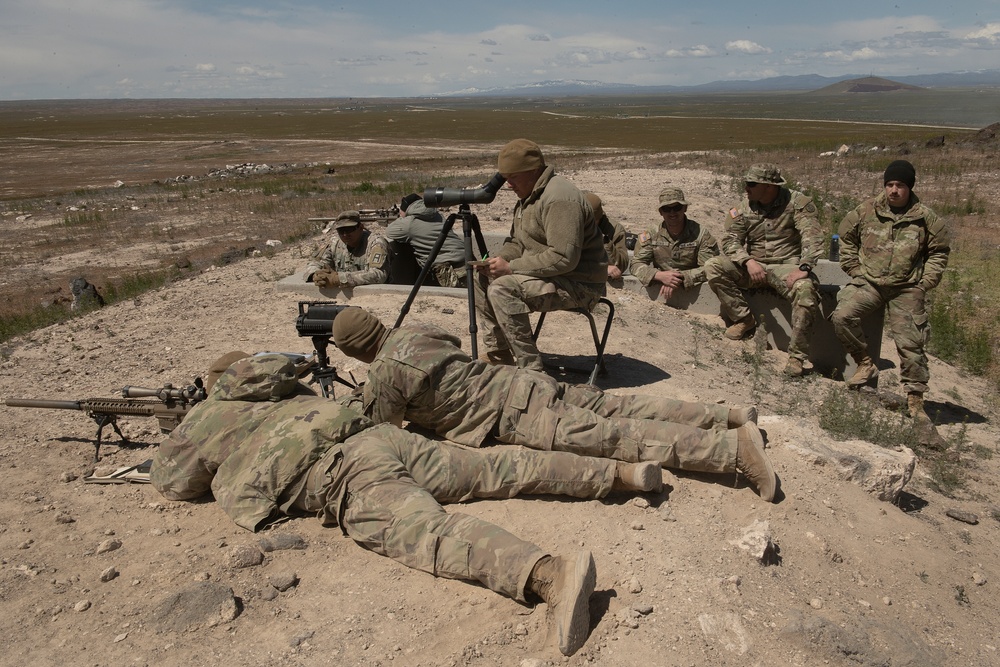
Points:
x=61, y=213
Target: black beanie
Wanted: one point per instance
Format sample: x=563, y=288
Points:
x=405, y=202
x=901, y=171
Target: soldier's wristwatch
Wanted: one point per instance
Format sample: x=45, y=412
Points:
x=805, y=267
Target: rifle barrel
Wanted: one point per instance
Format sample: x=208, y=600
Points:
x=42, y=403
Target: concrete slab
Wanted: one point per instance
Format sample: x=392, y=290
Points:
x=826, y=353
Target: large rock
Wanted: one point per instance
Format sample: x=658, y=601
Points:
x=881, y=472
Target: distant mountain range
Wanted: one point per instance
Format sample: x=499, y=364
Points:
x=806, y=82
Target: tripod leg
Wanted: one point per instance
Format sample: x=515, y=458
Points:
x=445, y=230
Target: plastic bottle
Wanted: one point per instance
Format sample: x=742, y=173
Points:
x=835, y=248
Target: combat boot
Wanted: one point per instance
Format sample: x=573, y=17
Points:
x=566, y=587
x=864, y=373
x=740, y=416
x=645, y=476
x=793, y=368
x=497, y=358
x=753, y=462
x=742, y=329
x=915, y=405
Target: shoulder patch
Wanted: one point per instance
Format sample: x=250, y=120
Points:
x=734, y=213
x=644, y=238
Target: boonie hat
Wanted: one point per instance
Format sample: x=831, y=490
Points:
x=671, y=196
x=520, y=155
x=764, y=173
x=347, y=219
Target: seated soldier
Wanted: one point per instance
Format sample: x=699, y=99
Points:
x=614, y=238
x=420, y=228
x=250, y=445
x=419, y=373
x=673, y=254
x=357, y=257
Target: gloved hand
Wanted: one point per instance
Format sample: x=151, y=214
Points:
x=326, y=279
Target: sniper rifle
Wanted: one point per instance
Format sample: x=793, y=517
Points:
x=168, y=404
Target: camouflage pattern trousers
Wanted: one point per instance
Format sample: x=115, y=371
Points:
x=645, y=406
x=448, y=275
x=906, y=319
x=504, y=305
x=392, y=484
x=728, y=280
x=534, y=416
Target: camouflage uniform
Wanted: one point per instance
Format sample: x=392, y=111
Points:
x=614, y=243
x=557, y=260
x=421, y=228
x=301, y=454
x=421, y=374
x=657, y=250
x=893, y=260
x=781, y=237
x=367, y=264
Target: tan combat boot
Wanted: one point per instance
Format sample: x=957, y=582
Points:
x=753, y=462
x=915, y=405
x=566, y=586
x=498, y=358
x=794, y=368
x=742, y=329
x=645, y=476
x=865, y=372
x=740, y=416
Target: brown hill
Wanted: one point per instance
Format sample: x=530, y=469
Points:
x=868, y=84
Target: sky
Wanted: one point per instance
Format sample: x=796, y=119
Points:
x=79, y=49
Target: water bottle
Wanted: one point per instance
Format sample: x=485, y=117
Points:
x=835, y=248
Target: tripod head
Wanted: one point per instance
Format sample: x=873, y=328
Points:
x=316, y=321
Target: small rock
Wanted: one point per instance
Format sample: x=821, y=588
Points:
x=82, y=605
x=64, y=518
x=108, y=546
x=978, y=579
x=122, y=637
x=865, y=603
x=666, y=513
x=245, y=556
x=634, y=586
x=887, y=601
x=269, y=594
x=280, y=542
x=109, y=573
x=520, y=630
x=637, y=525
x=643, y=609
x=300, y=639
x=532, y=662
x=816, y=603
x=283, y=580
x=68, y=477
x=965, y=517
x=26, y=544
x=641, y=503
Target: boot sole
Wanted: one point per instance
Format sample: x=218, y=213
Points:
x=768, y=490
x=650, y=477
x=573, y=623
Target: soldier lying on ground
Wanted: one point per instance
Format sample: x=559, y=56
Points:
x=266, y=446
x=420, y=373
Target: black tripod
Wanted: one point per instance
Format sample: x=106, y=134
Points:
x=470, y=226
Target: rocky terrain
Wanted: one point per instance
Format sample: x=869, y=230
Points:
x=95, y=574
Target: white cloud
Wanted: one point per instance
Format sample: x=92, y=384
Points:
x=204, y=67
x=746, y=46
x=852, y=56
x=988, y=33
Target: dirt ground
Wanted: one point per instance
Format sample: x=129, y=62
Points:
x=93, y=574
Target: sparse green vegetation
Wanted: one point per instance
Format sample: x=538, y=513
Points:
x=848, y=415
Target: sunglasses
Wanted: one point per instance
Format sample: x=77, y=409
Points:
x=752, y=184
x=675, y=208
x=344, y=231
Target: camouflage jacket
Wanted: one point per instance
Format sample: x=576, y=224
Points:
x=367, y=264
x=894, y=249
x=785, y=232
x=249, y=442
x=421, y=228
x=554, y=234
x=657, y=250
x=614, y=243
x=422, y=375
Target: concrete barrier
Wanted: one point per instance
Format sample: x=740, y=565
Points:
x=826, y=353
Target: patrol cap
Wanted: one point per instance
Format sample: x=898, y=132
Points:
x=520, y=155
x=355, y=331
x=347, y=219
x=671, y=196
x=596, y=204
x=764, y=173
